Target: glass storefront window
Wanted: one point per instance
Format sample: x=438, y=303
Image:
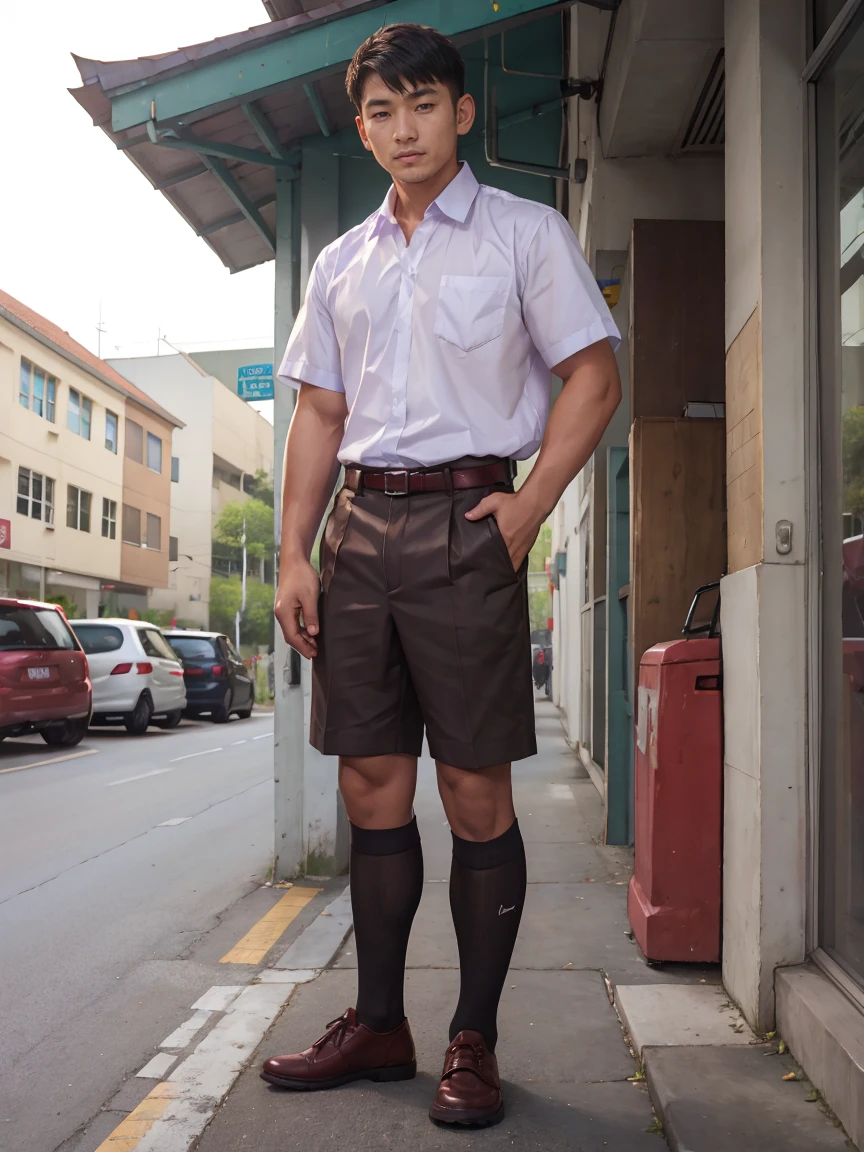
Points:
x=840, y=175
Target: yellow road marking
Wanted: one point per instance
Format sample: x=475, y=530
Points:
x=140, y=1120
x=260, y=939
x=56, y=760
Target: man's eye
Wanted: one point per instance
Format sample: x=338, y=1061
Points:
x=378, y=115
x=422, y=106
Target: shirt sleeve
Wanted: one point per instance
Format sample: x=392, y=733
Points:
x=562, y=305
x=312, y=355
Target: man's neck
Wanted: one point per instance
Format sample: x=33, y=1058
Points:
x=412, y=200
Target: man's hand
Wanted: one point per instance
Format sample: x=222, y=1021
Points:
x=297, y=606
x=518, y=521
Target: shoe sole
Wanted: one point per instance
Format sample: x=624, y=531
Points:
x=379, y=1075
x=466, y=1119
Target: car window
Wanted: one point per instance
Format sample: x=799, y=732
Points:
x=155, y=644
x=96, y=638
x=232, y=651
x=193, y=647
x=33, y=628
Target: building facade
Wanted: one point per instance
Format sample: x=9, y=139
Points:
x=65, y=480
x=223, y=444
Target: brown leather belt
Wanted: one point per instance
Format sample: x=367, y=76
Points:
x=408, y=482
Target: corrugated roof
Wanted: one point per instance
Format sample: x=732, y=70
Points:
x=62, y=343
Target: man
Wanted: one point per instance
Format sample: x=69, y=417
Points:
x=422, y=356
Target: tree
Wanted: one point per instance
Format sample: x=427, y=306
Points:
x=256, y=623
x=260, y=486
x=853, y=461
x=259, y=527
x=541, y=550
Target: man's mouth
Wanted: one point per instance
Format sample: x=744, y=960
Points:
x=408, y=155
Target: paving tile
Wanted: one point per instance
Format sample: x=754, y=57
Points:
x=716, y=1099
x=680, y=1015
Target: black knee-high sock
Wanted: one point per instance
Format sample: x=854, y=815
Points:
x=386, y=886
x=487, y=890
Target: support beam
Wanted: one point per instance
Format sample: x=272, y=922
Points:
x=248, y=209
x=317, y=108
x=265, y=130
x=234, y=218
x=189, y=143
x=316, y=50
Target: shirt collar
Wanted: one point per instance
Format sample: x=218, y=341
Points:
x=454, y=201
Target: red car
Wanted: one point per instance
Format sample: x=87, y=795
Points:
x=44, y=679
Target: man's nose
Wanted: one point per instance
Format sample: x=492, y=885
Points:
x=404, y=128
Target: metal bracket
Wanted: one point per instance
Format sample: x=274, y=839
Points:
x=493, y=158
x=188, y=143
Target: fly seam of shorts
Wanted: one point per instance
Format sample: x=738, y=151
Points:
x=384, y=549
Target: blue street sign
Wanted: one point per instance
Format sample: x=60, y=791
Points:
x=255, y=382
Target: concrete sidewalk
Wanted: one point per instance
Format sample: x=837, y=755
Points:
x=563, y=1057
x=571, y=1079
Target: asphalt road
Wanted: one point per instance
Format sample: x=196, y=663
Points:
x=101, y=905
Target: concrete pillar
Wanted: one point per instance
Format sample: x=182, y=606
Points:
x=311, y=831
x=764, y=609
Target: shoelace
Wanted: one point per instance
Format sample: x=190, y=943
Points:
x=474, y=1049
x=336, y=1032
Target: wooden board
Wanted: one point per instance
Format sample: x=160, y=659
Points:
x=678, y=522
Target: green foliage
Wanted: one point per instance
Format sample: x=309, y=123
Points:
x=69, y=607
x=259, y=527
x=260, y=487
x=539, y=607
x=542, y=549
x=853, y=461
x=256, y=624
x=164, y=618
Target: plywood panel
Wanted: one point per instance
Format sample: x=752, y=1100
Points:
x=677, y=350
x=678, y=523
x=744, y=475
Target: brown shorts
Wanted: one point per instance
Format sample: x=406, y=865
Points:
x=424, y=622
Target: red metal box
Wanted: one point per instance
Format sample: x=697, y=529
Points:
x=674, y=896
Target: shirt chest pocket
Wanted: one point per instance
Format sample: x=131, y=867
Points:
x=471, y=309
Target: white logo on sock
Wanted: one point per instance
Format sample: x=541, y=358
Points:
x=502, y=910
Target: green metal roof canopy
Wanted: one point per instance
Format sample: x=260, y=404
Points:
x=252, y=97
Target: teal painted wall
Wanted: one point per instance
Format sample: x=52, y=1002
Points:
x=535, y=47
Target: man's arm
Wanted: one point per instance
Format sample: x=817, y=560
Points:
x=591, y=393
x=308, y=477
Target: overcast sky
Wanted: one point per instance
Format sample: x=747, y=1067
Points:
x=81, y=224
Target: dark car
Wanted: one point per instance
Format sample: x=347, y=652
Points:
x=44, y=678
x=218, y=683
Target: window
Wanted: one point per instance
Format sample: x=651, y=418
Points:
x=78, y=508
x=111, y=432
x=194, y=647
x=175, y=469
x=131, y=525
x=173, y=548
x=35, y=495
x=37, y=390
x=79, y=414
x=134, y=441
x=155, y=644
x=96, y=638
x=154, y=532
x=109, y=518
x=154, y=453
x=33, y=628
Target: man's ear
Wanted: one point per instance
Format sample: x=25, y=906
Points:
x=358, y=120
x=466, y=112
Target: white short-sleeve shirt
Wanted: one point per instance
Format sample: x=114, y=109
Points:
x=443, y=346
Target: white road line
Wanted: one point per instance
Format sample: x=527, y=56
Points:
x=174, y=821
x=141, y=776
x=55, y=760
x=183, y=1035
x=234, y=743
x=264, y=737
x=190, y=755
x=217, y=998
x=157, y=1067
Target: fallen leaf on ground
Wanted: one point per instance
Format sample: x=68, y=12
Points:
x=813, y=1097
x=791, y=1076
x=569, y=965
x=770, y=1035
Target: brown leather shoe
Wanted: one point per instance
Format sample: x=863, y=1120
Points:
x=347, y=1051
x=470, y=1091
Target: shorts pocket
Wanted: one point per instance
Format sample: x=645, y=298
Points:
x=471, y=309
x=334, y=534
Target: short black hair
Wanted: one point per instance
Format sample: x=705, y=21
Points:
x=406, y=54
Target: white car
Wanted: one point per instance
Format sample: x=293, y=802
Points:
x=136, y=675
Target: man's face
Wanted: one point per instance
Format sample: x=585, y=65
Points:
x=414, y=135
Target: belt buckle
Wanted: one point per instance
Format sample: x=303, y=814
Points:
x=403, y=475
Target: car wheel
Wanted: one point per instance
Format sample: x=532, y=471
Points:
x=65, y=735
x=222, y=714
x=138, y=722
x=245, y=714
x=171, y=720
